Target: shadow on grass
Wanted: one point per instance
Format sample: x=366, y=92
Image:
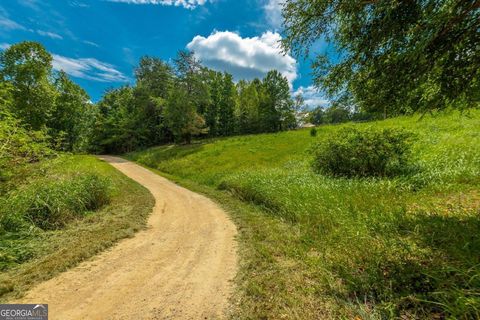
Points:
x=152, y=157
x=433, y=270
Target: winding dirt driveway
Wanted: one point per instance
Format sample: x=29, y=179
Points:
x=180, y=267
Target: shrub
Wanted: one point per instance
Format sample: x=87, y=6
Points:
x=49, y=204
x=19, y=146
x=313, y=132
x=363, y=153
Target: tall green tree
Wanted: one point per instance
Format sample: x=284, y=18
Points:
x=212, y=110
x=181, y=116
x=28, y=66
x=118, y=127
x=155, y=76
x=276, y=107
x=154, y=81
x=227, y=106
x=395, y=56
x=70, y=111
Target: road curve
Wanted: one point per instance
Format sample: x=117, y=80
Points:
x=180, y=267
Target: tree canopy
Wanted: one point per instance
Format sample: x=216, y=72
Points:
x=394, y=56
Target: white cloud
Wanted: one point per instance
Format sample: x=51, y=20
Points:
x=4, y=45
x=49, y=34
x=312, y=97
x=91, y=43
x=189, y=4
x=273, y=13
x=244, y=58
x=88, y=68
x=8, y=24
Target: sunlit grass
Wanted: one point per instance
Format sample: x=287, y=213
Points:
x=67, y=209
x=408, y=246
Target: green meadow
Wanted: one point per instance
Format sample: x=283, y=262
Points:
x=314, y=246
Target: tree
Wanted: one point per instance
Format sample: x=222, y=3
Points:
x=212, y=110
x=181, y=116
x=317, y=116
x=69, y=113
x=396, y=56
x=154, y=81
x=119, y=123
x=276, y=107
x=155, y=76
x=227, y=106
x=27, y=66
x=193, y=77
x=337, y=114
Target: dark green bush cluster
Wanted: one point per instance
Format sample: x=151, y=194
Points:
x=19, y=146
x=49, y=204
x=364, y=153
x=313, y=132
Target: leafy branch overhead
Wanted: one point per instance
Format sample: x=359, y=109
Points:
x=394, y=57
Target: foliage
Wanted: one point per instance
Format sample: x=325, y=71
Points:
x=392, y=57
x=69, y=115
x=313, y=132
x=51, y=204
x=363, y=153
x=181, y=117
x=27, y=66
x=44, y=100
x=30, y=254
x=316, y=246
x=187, y=100
x=18, y=146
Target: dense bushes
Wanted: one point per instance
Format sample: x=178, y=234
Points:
x=49, y=204
x=362, y=153
x=18, y=146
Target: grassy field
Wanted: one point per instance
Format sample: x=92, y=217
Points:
x=320, y=247
x=60, y=212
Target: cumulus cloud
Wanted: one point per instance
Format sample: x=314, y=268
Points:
x=312, y=97
x=244, y=58
x=273, y=13
x=189, y=4
x=88, y=68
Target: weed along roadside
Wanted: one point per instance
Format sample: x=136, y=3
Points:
x=65, y=211
x=188, y=244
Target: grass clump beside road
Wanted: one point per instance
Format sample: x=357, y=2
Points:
x=317, y=246
x=62, y=211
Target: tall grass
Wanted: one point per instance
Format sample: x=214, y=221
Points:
x=51, y=204
x=369, y=247
x=62, y=211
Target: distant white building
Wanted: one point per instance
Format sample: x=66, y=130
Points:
x=302, y=120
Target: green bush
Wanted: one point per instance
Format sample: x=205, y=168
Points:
x=19, y=146
x=313, y=132
x=50, y=204
x=363, y=153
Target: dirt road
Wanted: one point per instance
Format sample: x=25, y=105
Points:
x=181, y=267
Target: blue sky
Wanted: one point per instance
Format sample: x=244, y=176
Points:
x=99, y=42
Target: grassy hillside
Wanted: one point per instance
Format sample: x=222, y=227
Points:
x=61, y=211
x=321, y=247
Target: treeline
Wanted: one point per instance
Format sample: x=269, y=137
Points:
x=45, y=104
x=168, y=103
x=186, y=99
x=337, y=113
